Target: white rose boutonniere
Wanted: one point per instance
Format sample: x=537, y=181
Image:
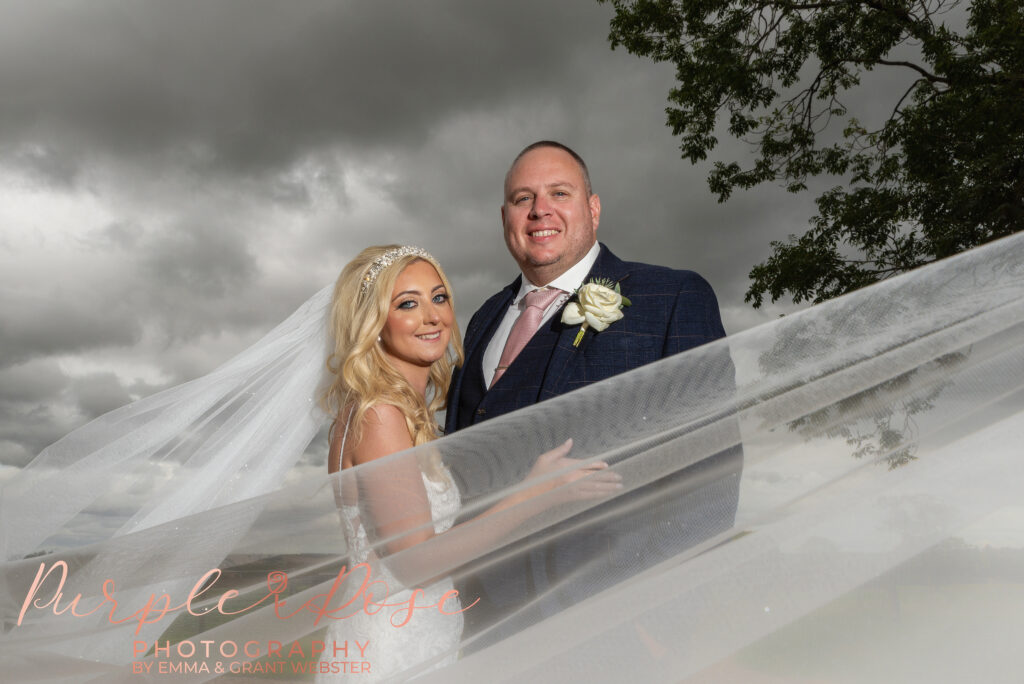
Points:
x=599, y=304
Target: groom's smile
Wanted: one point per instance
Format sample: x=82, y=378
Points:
x=549, y=215
x=544, y=233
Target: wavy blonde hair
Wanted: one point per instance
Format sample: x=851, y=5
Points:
x=362, y=375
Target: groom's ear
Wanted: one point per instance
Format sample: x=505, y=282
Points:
x=595, y=210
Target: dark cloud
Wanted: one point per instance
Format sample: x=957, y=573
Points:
x=49, y=166
x=33, y=410
x=68, y=320
x=31, y=382
x=122, y=236
x=98, y=393
x=204, y=257
x=249, y=85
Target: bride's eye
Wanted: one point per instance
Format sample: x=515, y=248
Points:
x=407, y=304
x=440, y=298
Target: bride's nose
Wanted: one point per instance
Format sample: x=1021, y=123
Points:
x=430, y=313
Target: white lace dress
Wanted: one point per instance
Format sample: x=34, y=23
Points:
x=397, y=652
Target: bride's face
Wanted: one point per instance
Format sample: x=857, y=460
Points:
x=420, y=318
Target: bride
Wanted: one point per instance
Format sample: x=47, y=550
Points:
x=395, y=344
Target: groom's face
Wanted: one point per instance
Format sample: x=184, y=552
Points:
x=550, y=220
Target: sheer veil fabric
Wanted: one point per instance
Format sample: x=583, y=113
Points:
x=834, y=496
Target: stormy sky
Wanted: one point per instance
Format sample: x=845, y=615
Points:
x=177, y=177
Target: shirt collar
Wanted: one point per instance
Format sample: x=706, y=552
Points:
x=569, y=281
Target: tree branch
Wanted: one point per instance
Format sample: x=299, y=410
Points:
x=910, y=65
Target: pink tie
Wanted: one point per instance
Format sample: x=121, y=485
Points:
x=537, y=302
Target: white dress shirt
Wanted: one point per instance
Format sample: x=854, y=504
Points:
x=568, y=282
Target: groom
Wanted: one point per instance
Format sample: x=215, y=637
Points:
x=518, y=353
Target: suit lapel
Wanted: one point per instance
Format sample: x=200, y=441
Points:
x=565, y=358
x=481, y=330
x=479, y=334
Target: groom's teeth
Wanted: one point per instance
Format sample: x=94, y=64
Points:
x=544, y=233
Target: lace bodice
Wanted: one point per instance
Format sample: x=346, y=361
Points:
x=444, y=506
x=430, y=635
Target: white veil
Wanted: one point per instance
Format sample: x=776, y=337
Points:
x=877, y=430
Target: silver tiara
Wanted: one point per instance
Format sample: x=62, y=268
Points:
x=386, y=259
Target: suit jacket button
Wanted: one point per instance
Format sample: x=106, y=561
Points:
x=480, y=412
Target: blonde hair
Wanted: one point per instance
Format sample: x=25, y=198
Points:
x=362, y=375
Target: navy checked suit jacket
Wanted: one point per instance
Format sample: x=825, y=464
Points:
x=671, y=311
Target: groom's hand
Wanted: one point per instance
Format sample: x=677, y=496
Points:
x=571, y=479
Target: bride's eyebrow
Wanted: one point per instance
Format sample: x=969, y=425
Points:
x=405, y=292
x=416, y=292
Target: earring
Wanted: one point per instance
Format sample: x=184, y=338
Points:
x=378, y=339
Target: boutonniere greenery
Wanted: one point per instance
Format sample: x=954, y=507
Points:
x=598, y=304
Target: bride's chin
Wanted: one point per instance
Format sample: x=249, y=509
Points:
x=428, y=360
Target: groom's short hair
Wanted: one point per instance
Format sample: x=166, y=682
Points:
x=557, y=145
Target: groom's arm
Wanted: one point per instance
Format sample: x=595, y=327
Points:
x=700, y=500
x=695, y=318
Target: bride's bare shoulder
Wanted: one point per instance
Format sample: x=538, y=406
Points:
x=384, y=431
x=383, y=416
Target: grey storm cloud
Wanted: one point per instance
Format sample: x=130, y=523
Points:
x=28, y=419
x=249, y=85
x=200, y=256
x=98, y=393
x=31, y=382
x=36, y=326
